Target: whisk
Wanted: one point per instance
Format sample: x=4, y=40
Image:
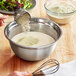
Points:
x=47, y=68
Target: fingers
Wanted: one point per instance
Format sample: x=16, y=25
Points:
x=16, y=73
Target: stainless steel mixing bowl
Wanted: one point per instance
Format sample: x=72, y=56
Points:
x=34, y=53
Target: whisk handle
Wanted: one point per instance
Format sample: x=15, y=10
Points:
x=40, y=74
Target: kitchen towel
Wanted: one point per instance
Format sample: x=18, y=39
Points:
x=66, y=69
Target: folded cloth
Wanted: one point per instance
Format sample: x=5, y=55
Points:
x=66, y=69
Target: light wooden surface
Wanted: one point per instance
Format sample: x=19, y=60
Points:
x=65, y=50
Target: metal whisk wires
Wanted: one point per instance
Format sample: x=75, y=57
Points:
x=49, y=67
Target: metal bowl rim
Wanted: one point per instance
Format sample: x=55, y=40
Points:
x=26, y=47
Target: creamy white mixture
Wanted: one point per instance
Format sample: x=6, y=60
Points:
x=28, y=38
x=61, y=8
x=24, y=21
x=33, y=39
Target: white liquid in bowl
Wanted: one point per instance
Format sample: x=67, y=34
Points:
x=60, y=12
x=33, y=39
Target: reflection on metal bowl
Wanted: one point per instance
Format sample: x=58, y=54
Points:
x=34, y=53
